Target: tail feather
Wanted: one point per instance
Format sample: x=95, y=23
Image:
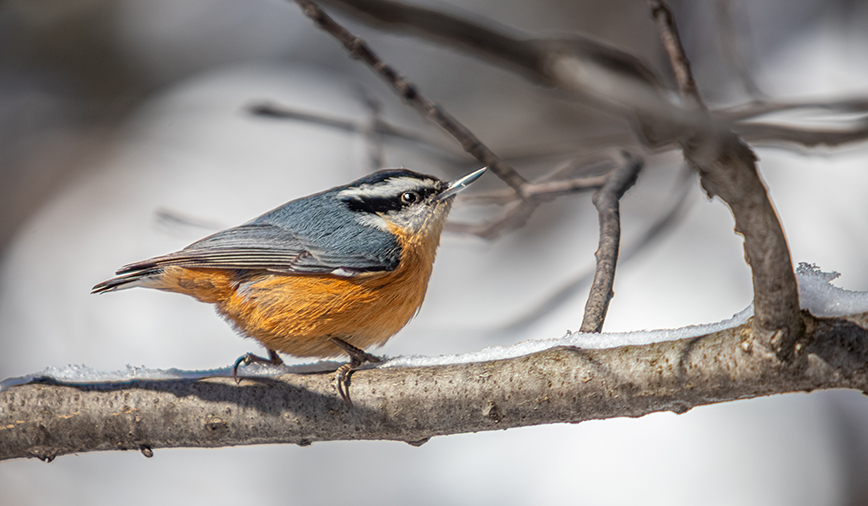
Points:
x=128, y=279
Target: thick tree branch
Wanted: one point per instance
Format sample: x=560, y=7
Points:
x=607, y=200
x=562, y=384
x=727, y=168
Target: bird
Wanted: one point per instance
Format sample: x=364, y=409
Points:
x=333, y=273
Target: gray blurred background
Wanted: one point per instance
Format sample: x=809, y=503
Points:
x=119, y=116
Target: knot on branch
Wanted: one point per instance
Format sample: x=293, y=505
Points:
x=357, y=48
x=406, y=89
x=785, y=347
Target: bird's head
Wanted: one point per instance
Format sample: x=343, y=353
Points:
x=402, y=201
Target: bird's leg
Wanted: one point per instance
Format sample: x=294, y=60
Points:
x=250, y=358
x=357, y=358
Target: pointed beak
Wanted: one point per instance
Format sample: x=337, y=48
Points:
x=461, y=183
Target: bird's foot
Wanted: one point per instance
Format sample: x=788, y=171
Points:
x=357, y=358
x=250, y=358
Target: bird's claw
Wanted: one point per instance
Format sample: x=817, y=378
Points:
x=250, y=358
x=357, y=358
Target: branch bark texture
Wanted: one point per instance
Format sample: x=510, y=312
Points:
x=607, y=200
x=727, y=168
x=562, y=384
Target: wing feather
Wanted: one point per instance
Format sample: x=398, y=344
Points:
x=323, y=240
x=258, y=246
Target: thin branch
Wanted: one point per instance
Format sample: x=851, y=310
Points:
x=376, y=153
x=758, y=132
x=608, y=77
x=677, y=58
x=751, y=110
x=576, y=175
x=677, y=209
x=359, y=50
x=269, y=110
x=513, y=215
x=727, y=168
x=491, y=43
x=182, y=224
x=615, y=81
x=381, y=128
x=607, y=201
x=848, y=129
x=547, y=190
x=562, y=384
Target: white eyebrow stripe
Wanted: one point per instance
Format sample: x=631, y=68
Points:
x=391, y=187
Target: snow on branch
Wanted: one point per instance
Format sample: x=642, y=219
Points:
x=576, y=378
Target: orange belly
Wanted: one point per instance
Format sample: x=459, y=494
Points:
x=296, y=314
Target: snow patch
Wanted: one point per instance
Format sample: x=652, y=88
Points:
x=820, y=297
x=816, y=293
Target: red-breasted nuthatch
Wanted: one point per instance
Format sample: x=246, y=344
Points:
x=336, y=272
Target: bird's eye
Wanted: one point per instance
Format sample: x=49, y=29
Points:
x=409, y=197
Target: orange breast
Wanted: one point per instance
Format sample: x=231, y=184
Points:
x=296, y=314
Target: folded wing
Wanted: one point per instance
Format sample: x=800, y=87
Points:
x=257, y=246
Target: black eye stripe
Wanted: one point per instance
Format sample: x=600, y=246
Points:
x=386, y=204
x=374, y=205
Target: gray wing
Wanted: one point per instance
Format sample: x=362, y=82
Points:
x=263, y=246
x=306, y=236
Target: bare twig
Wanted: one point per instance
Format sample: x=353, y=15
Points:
x=757, y=132
x=857, y=105
x=677, y=58
x=359, y=49
x=844, y=122
x=581, y=173
x=513, y=215
x=376, y=154
x=615, y=80
x=727, y=168
x=531, y=57
x=559, y=296
x=180, y=223
x=516, y=211
x=610, y=78
x=381, y=128
x=562, y=384
x=607, y=201
x=267, y=110
x=539, y=191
